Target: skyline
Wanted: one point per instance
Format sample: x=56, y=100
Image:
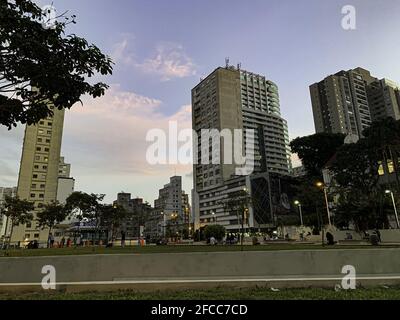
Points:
x=156, y=69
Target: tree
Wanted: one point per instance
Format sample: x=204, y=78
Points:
x=239, y=202
x=384, y=138
x=217, y=231
x=43, y=67
x=111, y=217
x=86, y=206
x=316, y=150
x=18, y=211
x=355, y=170
x=52, y=214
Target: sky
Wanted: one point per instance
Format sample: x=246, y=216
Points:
x=162, y=48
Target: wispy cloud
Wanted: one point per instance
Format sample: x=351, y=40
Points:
x=169, y=60
x=105, y=140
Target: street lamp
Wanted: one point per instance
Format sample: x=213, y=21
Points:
x=297, y=203
x=165, y=222
x=321, y=185
x=214, y=217
x=394, y=207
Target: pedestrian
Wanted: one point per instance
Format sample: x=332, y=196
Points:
x=378, y=233
x=78, y=240
x=123, y=239
x=49, y=241
x=62, y=242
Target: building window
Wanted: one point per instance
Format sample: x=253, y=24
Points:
x=36, y=235
x=33, y=195
x=35, y=176
x=29, y=225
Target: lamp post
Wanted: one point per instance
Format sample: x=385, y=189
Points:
x=165, y=222
x=297, y=203
x=394, y=207
x=214, y=217
x=321, y=185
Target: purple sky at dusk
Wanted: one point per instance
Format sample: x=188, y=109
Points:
x=162, y=48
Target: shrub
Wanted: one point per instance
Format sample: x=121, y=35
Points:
x=216, y=231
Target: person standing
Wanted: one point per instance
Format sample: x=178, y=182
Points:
x=123, y=239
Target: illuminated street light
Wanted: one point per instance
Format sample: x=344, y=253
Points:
x=165, y=222
x=321, y=185
x=394, y=207
x=214, y=217
x=297, y=203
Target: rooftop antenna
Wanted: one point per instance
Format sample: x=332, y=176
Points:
x=227, y=62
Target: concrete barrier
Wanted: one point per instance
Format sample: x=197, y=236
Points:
x=308, y=267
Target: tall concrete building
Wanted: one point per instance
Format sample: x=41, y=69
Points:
x=5, y=226
x=228, y=99
x=384, y=99
x=39, y=171
x=139, y=212
x=64, y=169
x=66, y=184
x=348, y=101
x=340, y=102
x=172, y=200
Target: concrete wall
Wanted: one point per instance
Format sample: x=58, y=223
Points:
x=202, y=266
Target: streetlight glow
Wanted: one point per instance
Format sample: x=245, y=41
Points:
x=394, y=207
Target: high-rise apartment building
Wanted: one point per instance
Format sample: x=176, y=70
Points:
x=66, y=184
x=229, y=99
x=139, y=212
x=340, y=102
x=384, y=99
x=172, y=200
x=348, y=101
x=39, y=171
x=64, y=169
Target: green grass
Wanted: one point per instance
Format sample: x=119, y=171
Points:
x=378, y=293
x=172, y=249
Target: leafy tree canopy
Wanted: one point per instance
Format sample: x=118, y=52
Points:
x=52, y=214
x=19, y=211
x=43, y=67
x=216, y=231
x=316, y=150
